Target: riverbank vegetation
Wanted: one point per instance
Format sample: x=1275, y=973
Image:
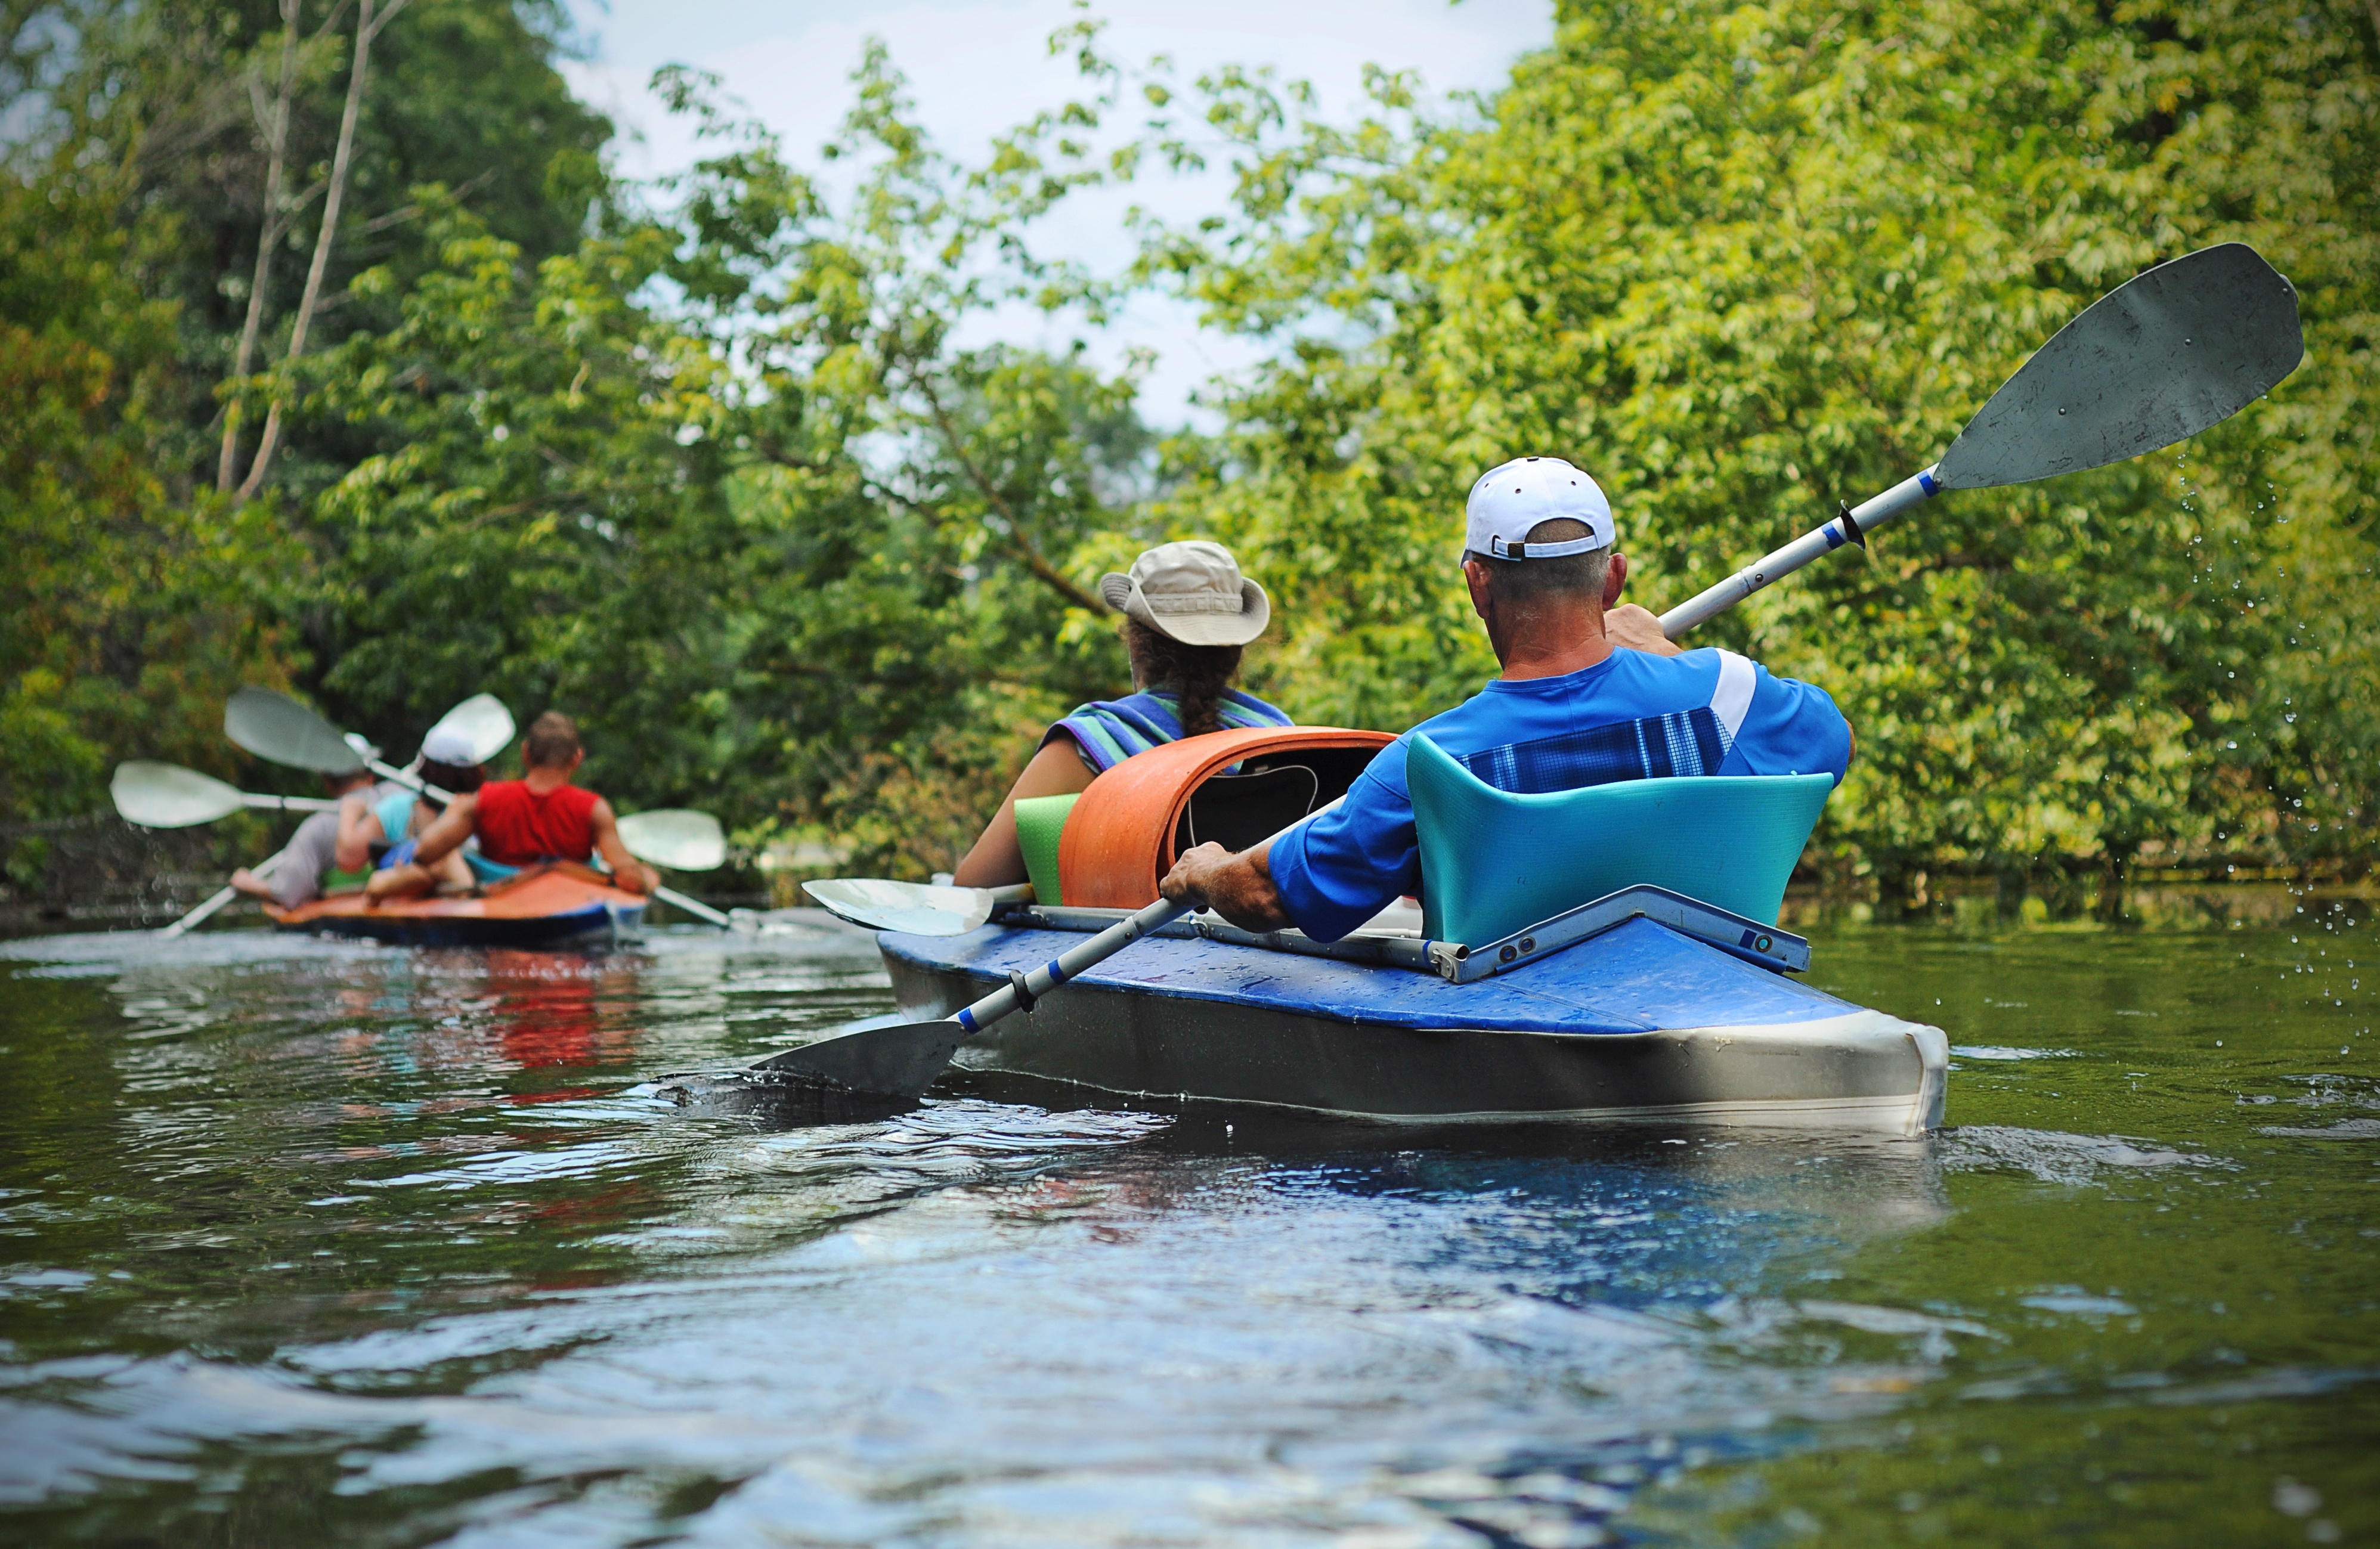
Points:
x=722, y=465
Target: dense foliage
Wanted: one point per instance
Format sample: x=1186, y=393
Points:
x=1744, y=262
x=715, y=464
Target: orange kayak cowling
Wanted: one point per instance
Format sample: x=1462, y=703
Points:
x=1122, y=835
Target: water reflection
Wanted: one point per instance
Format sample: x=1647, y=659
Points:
x=335, y=1243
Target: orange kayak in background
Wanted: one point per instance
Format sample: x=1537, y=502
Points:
x=555, y=905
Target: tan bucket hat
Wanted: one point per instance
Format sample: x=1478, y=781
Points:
x=1192, y=592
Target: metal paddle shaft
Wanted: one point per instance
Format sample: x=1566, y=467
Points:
x=903, y=1061
x=198, y=916
x=2173, y=351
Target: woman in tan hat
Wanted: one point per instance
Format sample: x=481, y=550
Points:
x=1186, y=610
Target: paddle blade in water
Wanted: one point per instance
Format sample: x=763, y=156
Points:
x=276, y=727
x=488, y=726
x=2169, y=353
x=913, y=907
x=169, y=796
x=880, y=1061
x=676, y=839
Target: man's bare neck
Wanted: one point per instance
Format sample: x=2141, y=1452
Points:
x=1553, y=646
x=542, y=777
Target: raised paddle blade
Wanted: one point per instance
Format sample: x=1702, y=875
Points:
x=2173, y=351
x=488, y=726
x=169, y=796
x=276, y=727
x=676, y=839
x=878, y=1062
x=915, y=908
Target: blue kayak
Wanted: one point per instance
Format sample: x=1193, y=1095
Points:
x=1641, y=1020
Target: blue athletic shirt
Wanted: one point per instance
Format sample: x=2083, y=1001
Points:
x=1632, y=716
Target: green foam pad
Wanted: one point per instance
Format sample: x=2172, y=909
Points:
x=1493, y=862
x=1040, y=821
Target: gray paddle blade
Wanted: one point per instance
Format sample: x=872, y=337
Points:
x=882, y=1061
x=276, y=727
x=484, y=723
x=2170, y=352
x=676, y=839
x=169, y=796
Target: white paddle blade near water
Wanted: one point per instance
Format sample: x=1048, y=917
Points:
x=2173, y=351
x=674, y=838
x=903, y=1061
x=169, y=796
x=913, y=908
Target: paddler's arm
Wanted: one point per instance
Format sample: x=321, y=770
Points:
x=1239, y=887
x=997, y=859
x=442, y=838
x=626, y=870
x=447, y=834
x=358, y=826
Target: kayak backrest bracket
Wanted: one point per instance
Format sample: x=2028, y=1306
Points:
x=1780, y=950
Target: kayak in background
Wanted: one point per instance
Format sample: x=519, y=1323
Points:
x=560, y=905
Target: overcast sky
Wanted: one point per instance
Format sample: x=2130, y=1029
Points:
x=976, y=66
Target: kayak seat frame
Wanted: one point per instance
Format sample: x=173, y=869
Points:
x=1765, y=945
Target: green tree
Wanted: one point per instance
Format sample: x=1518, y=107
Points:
x=722, y=483
x=1744, y=261
x=126, y=617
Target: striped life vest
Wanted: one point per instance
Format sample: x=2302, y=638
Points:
x=1111, y=730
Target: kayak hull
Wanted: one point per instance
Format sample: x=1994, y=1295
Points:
x=545, y=907
x=1642, y=1025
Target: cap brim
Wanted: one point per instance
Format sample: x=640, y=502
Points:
x=1208, y=629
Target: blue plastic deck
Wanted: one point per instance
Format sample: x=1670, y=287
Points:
x=1638, y=978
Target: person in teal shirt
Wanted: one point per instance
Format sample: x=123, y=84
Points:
x=1188, y=612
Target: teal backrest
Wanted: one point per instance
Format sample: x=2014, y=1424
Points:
x=1493, y=862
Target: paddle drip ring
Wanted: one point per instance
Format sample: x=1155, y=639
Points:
x=1024, y=996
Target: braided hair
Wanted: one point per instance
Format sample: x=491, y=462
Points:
x=1197, y=675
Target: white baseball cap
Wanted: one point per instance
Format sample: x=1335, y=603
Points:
x=1514, y=496
x=1193, y=592
x=450, y=745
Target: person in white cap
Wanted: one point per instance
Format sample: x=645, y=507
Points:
x=1591, y=691
x=384, y=831
x=1187, y=611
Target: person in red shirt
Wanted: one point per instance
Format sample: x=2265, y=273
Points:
x=540, y=817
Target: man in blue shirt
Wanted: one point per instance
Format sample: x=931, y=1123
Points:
x=1591, y=691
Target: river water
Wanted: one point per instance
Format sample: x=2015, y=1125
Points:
x=307, y=1243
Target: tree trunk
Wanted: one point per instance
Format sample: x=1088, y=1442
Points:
x=275, y=223
x=367, y=29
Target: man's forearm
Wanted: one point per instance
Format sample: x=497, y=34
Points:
x=1239, y=887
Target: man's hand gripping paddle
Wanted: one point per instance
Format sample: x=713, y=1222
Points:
x=2173, y=351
